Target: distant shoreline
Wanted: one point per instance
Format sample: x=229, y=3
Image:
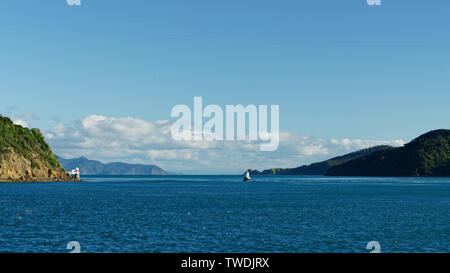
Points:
x=37, y=180
x=352, y=176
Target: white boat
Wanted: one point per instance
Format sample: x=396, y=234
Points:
x=247, y=176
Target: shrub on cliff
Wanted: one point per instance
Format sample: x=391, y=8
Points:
x=26, y=142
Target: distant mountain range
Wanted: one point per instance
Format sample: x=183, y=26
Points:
x=321, y=168
x=427, y=155
x=93, y=167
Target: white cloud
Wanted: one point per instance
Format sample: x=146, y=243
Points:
x=19, y=121
x=138, y=141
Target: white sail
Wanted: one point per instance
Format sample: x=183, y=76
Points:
x=247, y=176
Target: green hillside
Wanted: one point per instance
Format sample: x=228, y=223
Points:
x=427, y=155
x=320, y=168
x=24, y=154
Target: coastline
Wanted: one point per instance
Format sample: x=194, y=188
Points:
x=353, y=176
x=2, y=180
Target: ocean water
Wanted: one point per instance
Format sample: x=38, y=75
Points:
x=223, y=214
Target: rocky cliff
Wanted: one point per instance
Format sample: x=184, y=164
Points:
x=25, y=156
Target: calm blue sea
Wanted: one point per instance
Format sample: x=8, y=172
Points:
x=223, y=214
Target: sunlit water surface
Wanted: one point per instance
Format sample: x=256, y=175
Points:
x=223, y=214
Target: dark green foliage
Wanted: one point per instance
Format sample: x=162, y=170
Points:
x=427, y=155
x=26, y=142
x=321, y=168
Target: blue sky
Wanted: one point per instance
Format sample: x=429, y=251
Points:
x=338, y=69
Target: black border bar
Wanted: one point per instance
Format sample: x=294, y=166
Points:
x=229, y=262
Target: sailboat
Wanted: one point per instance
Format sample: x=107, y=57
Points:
x=247, y=176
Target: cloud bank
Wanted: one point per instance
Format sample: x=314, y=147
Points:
x=134, y=140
